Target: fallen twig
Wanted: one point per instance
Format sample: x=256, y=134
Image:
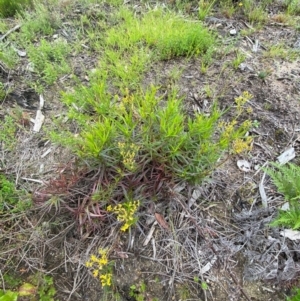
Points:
x=10, y=31
x=238, y=285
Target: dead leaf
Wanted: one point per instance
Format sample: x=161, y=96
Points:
x=287, y=156
x=291, y=234
x=122, y=255
x=244, y=165
x=160, y=219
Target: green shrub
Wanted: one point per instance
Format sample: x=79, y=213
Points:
x=141, y=128
x=8, y=8
x=170, y=35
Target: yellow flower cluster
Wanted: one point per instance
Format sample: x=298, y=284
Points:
x=125, y=213
x=241, y=145
x=228, y=128
x=242, y=99
x=128, y=153
x=100, y=267
x=246, y=125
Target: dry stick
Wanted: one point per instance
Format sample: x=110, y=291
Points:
x=192, y=220
x=3, y=283
x=238, y=285
x=77, y=282
x=200, y=232
x=10, y=31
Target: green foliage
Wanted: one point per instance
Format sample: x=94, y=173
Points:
x=12, y=280
x=8, y=130
x=46, y=290
x=170, y=35
x=205, y=7
x=8, y=56
x=42, y=21
x=239, y=58
x=287, y=180
x=8, y=295
x=188, y=148
x=293, y=6
x=296, y=295
x=8, y=8
x=138, y=292
x=39, y=288
x=281, y=51
x=2, y=91
x=204, y=285
x=289, y=218
x=11, y=199
x=49, y=59
x=255, y=11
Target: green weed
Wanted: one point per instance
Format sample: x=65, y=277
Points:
x=205, y=6
x=295, y=296
x=170, y=35
x=2, y=91
x=293, y=7
x=8, y=131
x=11, y=199
x=256, y=13
x=287, y=180
x=228, y=8
x=8, y=8
x=8, y=295
x=239, y=58
x=46, y=290
x=40, y=287
x=159, y=129
x=42, y=21
x=281, y=51
x=138, y=292
x=49, y=59
x=8, y=56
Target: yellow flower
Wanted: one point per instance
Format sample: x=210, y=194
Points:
x=124, y=227
x=242, y=99
x=93, y=258
x=95, y=273
x=102, y=252
x=249, y=110
x=106, y=279
x=125, y=213
x=241, y=145
x=128, y=153
x=88, y=264
x=103, y=261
